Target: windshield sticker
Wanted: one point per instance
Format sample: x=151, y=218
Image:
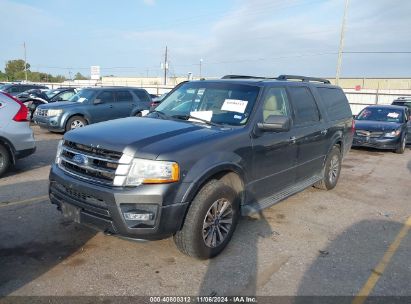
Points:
x=205, y=115
x=81, y=99
x=234, y=105
x=393, y=115
x=238, y=117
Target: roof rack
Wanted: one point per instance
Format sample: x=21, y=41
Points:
x=241, y=77
x=303, y=78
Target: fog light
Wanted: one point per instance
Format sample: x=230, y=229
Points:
x=133, y=216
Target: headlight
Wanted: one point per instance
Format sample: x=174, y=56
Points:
x=144, y=171
x=59, y=151
x=393, y=133
x=54, y=112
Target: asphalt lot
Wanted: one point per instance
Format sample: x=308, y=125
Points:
x=314, y=243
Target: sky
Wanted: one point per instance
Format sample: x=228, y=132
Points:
x=251, y=37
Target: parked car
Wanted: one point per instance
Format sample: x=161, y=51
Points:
x=404, y=102
x=243, y=145
x=17, y=88
x=383, y=127
x=156, y=101
x=92, y=105
x=16, y=136
x=33, y=98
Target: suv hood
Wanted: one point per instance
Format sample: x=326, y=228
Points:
x=132, y=135
x=382, y=126
x=59, y=105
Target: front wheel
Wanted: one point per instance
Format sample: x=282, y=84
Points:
x=210, y=221
x=401, y=146
x=75, y=122
x=332, y=169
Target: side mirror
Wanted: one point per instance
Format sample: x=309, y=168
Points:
x=275, y=123
x=98, y=101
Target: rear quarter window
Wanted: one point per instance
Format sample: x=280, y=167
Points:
x=335, y=103
x=142, y=95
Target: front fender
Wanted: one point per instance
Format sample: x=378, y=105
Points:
x=209, y=166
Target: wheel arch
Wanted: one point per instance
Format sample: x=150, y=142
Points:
x=9, y=147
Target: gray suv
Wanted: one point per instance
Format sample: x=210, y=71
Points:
x=92, y=105
x=16, y=137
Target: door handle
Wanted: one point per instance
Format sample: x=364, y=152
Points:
x=324, y=132
x=293, y=140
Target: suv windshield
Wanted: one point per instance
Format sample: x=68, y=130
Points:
x=221, y=103
x=83, y=95
x=52, y=93
x=381, y=114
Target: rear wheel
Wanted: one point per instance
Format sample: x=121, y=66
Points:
x=75, y=122
x=401, y=146
x=210, y=221
x=332, y=170
x=138, y=114
x=5, y=159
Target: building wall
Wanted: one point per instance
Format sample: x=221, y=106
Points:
x=375, y=83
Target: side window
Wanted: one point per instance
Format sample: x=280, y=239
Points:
x=65, y=96
x=335, y=103
x=124, y=96
x=106, y=97
x=305, y=107
x=275, y=103
x=143, y=96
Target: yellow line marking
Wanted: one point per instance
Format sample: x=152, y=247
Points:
x=379, y=270
x=37, y=199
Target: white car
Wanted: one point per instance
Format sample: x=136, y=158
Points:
x=16, y=136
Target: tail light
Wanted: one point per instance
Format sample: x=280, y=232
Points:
x=353, y=126
x=21, y=114
x=153, y=104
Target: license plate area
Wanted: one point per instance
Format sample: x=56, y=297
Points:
x=71, y=212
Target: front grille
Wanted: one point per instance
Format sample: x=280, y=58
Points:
x=41, y=112
x=80, y=196
x=90, y=163
x=365, y=133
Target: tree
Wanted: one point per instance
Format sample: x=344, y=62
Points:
x=15, y=69
x=3, y=76
x=79, y=76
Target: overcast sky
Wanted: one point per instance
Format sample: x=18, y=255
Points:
x=258, y=37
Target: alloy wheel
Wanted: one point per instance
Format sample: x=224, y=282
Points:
x=217, y=223
x=76, y=124
x=334, y=168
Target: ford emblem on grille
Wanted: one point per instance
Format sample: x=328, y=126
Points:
x=80, y=159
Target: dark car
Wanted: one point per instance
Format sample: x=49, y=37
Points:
x=91, y=105
x=382, y=127
x=404, y=102
x=17, y=88
x=241, y=145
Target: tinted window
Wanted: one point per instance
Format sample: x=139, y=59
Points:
x=106, y=97
x=305, y=108
x=143, y=96
x=335, y=103
x=381, y=114
x=275, y=103
x=124, y=96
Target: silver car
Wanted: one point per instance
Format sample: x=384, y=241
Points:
x=16, y=136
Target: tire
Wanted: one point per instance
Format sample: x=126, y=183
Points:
x=5, y=159
x=75, y=122
x=401, y=146
x=332, y=170
x=138, y=114
x=196, y=239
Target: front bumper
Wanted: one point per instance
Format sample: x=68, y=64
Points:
x=102, y=207
x=378, y=143
x=52, y=123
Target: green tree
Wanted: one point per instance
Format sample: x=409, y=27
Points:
x=15, y=69
x=79, y=76
x=3, y=76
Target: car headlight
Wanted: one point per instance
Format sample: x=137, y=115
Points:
x=143, y=171
x=394, y=133
x=54, y=112
x=59, y=151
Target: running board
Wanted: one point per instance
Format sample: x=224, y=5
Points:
x=272, y=200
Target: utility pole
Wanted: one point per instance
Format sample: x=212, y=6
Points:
x=201, y=61
x=340, y=50
x=25, y=60
x=165, y=67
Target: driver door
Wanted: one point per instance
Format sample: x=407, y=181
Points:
x=104, y=110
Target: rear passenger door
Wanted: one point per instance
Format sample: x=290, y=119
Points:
x=124, y=104
x=310, y=132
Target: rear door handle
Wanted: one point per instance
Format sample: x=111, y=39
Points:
x=293, y=139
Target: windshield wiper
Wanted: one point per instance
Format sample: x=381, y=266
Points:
x=160, y=114
x=188, y=116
